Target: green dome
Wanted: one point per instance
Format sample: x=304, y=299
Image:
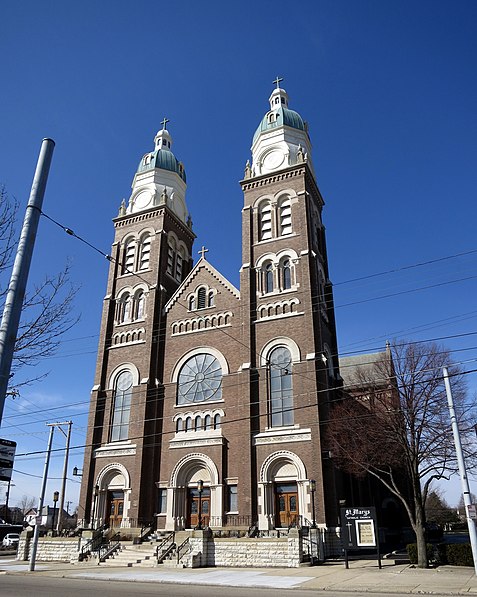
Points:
x=163, y=159
x=285, y=116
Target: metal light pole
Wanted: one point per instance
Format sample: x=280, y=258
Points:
x=463, y=473
x=21, y=267
x=313, y=489
x=56, y=495
x=200, y=489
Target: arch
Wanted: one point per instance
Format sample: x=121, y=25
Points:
x=110, y=472
x=200, y=350
x=280, y=341
x=274, y=462
x=189, y=465
x=117, y=370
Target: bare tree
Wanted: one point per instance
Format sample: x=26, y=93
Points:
x=47, y=309
x=398, y=428
x=26, y=503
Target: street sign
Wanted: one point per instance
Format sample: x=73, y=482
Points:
x=7, y=456
x=472, y=511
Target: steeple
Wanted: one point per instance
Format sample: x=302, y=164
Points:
x=160, y=179
x=281, y=139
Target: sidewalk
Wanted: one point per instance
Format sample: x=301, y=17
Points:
x=363, y=575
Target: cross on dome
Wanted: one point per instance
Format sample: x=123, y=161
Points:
x=277, y=81
x=163, y=139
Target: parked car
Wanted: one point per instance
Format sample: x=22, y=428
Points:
x=11, y=540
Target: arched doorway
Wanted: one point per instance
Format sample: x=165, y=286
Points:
x=284, y=491
x=113, y=499
x=194, y=494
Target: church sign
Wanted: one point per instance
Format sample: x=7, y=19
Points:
x=7, y=455
x=359, y=530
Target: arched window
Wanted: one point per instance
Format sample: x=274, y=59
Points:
x=121, y=406
x=128, y=257
x=188, y=424
x=217, y=421
x=208, y=422
x=211, y=299
x=201, y=298
x=286, y=274
x=198, y=423
x=265, y=216
x=268, y=277
x=179, y=425
x=281, y=388
x=140, y=301
x=171, y=252
x=200, y=379
x=285, y=217
x=144, y=251
x=124, y=308
x=179, y=263
x=192, y=303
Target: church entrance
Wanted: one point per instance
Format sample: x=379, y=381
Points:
x=198, y=505
x=286, y=508
x=115, y=508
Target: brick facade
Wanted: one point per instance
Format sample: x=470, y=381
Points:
x=222, y=430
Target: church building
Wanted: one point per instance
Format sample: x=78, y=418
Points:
x=210, y=402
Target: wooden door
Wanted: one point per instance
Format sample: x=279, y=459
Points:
x=116, y=508
x=198, y=503
x=286, y=505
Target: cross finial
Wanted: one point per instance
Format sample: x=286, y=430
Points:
x=164, y=122
x=277, y=81
x=203, y=251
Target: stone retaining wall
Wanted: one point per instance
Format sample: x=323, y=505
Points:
x=49, y=549
x=245, y=552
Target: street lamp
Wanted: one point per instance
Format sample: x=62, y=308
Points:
x=76, y=472
x=313, y=489
x=200, y=489
x=95, y=499
x=56, y=495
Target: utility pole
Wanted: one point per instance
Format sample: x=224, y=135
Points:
x=463, y=473
x=36, y=533
x=21, y=267
x=65, y=472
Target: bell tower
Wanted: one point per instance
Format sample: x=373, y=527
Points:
x=290, y=325
x=151, y=255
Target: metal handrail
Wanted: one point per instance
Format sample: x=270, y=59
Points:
x=146, y=529
x=183, y=549
x=109, y=548
x=94, y=543
x=161, y=550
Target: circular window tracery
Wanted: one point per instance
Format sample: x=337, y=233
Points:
x=200, y=379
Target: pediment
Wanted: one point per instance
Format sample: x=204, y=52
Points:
x=202, y=273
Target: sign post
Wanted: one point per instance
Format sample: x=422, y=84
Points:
x=359, y=530
x=7, y=456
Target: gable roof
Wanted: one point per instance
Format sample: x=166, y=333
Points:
x=201, y=265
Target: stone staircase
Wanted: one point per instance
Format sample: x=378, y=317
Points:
x=129, y=555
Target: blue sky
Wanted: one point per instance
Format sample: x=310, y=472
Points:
x=388, y=88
